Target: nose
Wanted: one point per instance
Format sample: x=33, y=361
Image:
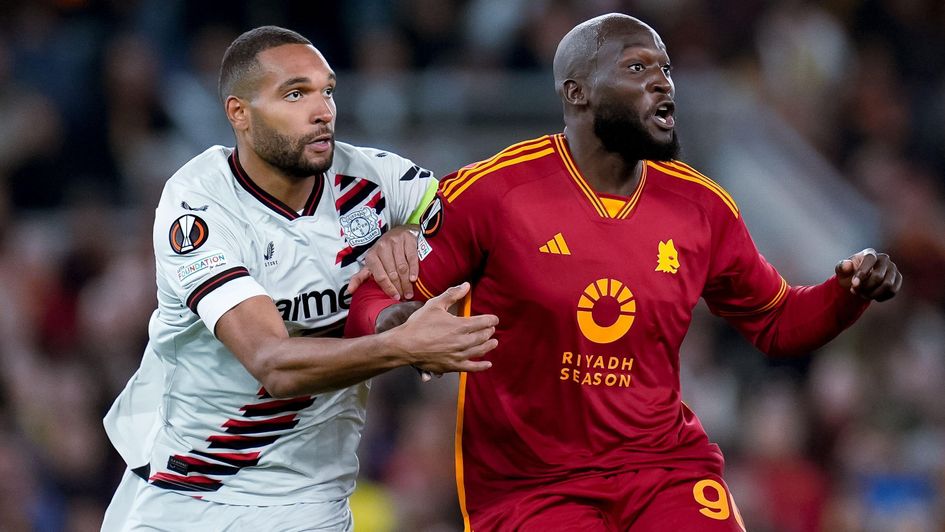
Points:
x=661, y=82
x=324, y=110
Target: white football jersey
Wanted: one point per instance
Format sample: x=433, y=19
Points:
x=192, y=419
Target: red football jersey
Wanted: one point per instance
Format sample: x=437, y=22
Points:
x=594, y=297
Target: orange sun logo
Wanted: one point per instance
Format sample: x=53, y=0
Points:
x=605, y=311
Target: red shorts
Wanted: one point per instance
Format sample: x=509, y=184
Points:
x=646, y=500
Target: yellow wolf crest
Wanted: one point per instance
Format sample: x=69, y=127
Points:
x=668, y=260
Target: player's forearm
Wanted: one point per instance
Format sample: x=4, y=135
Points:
x=810, y=317
x=301, y=366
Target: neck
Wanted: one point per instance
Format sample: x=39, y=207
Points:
x=291, y=190
x=605, y=171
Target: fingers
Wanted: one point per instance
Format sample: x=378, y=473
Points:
x=451, y=295
x=402, y=268
x=358, y=279
x=375, y=264
x=413, y=262
x=845, y=268
x=864, y=262
x=870, y=275
x=888, y=287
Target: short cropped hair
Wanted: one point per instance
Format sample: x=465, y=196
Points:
x=240, y=68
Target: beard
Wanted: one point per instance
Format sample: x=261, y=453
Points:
x=287, y=153
x=623, y=133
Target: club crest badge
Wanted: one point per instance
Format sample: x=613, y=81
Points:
x=188, y=233
x=361, y=226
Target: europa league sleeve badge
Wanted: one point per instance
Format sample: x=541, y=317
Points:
x=188, y=233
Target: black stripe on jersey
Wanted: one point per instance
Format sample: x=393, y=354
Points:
x=278, y=406
x=234, y=426
x=240, y=442
x=364, y=189
x=239, y=460
x=410, y=173
x=379, y=206
x=188, y=464
x=343, y=181
x=180, y=483
x=212, y=284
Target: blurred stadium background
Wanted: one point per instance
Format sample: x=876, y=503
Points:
x=826, y=120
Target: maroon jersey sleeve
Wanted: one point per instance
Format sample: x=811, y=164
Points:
x=455, y=237
x=777, y=318
x=368, y=301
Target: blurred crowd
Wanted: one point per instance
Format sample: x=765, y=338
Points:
x=103, y=100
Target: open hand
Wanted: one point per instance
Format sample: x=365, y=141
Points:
x=440, y=342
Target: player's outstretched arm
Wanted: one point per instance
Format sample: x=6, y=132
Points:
x=255, y=333
x=811, y=316
x=870, y=275
x=392, y=262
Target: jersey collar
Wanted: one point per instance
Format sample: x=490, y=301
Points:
x=268, y=199
x=593, y=198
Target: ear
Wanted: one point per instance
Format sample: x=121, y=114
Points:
x=237, y=112
x=573, y=92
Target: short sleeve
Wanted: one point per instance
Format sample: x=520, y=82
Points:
x=198, y=256
x=409, y=188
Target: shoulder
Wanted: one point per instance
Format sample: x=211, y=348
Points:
x=682, y=179
x=203, y=176
x=517, y=164
x=374, y=164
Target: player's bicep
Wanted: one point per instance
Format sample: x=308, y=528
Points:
x=249, y=329
x=741, y=282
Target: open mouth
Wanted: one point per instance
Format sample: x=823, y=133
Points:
x=664, y=114
x=321, y=142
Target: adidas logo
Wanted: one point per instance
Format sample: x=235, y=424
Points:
x=556, y=246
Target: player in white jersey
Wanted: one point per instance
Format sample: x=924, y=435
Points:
x=248, y=405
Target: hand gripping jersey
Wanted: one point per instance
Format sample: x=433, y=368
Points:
x=192, y=419
x=594, y=295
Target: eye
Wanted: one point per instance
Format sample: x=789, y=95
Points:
x=329, y=92
x=667, y=69
x=636, y=67
x=294, y=96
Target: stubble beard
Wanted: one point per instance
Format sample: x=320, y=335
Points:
x=287, y=153
x=623, y=133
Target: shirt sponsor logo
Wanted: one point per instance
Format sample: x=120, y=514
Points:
x=596, y=370
x=213, y=261
x=314, y=304
x=361, y=226
x=606, y=311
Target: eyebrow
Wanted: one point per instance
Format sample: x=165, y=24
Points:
x=300, y=79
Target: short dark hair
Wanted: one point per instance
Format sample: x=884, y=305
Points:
x=240, y=66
